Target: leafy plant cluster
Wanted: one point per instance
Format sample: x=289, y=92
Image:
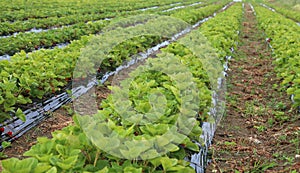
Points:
x=223, y=34
x=20, y=10
x=285, y=43
x=70, y=150
x=38, y=74
x=193, y=15
x=8, y=27
x=292, y=14
x=33, y=41
x=73, y=149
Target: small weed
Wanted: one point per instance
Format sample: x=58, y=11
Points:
x=259, y=167
x=255, y=108
x=27, y=138
x=261, y=111
x=289, y=160
x=276, y=155
x=236, y=127
x=233, y=100
x=4, y=145
x=224, y=152
x=275, y=86
x=230, y=144
x=249, y=108
x=69, y=109
x=280, y=106
x=280, y=116
x=271, y=122
x=260, y=128
x=296, y=142
x=282, y=137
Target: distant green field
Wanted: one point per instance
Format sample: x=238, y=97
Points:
x=292, y=4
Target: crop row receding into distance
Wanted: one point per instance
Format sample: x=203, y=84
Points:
x=227, y=31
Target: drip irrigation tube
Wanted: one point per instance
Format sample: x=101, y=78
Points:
x=293, y=95
x=264, y=5
x=149, y=8
x=252, y=8
x=200, y=160
x=60, y=46
x=272, y=9
x=183, y=6
x=4, y=57
x=15, y=128
x=39, y=30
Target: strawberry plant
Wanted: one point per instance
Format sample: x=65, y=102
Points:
x=221, y=33
x=43, y=72
x=40, y=10
x=285, y=44
x=292, y=14
x=76, y=147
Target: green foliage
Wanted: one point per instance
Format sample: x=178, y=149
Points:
x=221, y=33
x=4, y=145
x=31, y=41
x=193, y=15
x=40, y=11
x=44, y=72
x=285, y=43
x=76, y=147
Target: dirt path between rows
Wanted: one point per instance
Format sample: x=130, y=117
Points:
x=260, y=131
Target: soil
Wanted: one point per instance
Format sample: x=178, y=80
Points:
x=56, y=121
x=253, y=136
x=260, y=131
x=63, y=115
x=45, y=129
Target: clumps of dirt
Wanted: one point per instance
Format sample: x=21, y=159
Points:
x=56, y=121
x=260, y=131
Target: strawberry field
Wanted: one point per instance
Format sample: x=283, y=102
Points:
x=143, y=86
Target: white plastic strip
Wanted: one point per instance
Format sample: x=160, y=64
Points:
x=264, y=5
x=39, y=30
x=149, y=8
x=183, y=6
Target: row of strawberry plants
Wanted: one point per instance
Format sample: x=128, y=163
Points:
x=193, y=6
x=27, y=77
x=72, y=150
x=31, y=76
x=292, y=14
x=79, y=9
x=200, y=14
x=193, y=15
x=285, y=43
x=63, y=5
x=33, y=41
x=223, y=34
x=7, y=28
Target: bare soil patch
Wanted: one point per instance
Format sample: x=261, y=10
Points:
x=260, y=131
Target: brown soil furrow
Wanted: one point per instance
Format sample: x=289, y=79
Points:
x=259, y=132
